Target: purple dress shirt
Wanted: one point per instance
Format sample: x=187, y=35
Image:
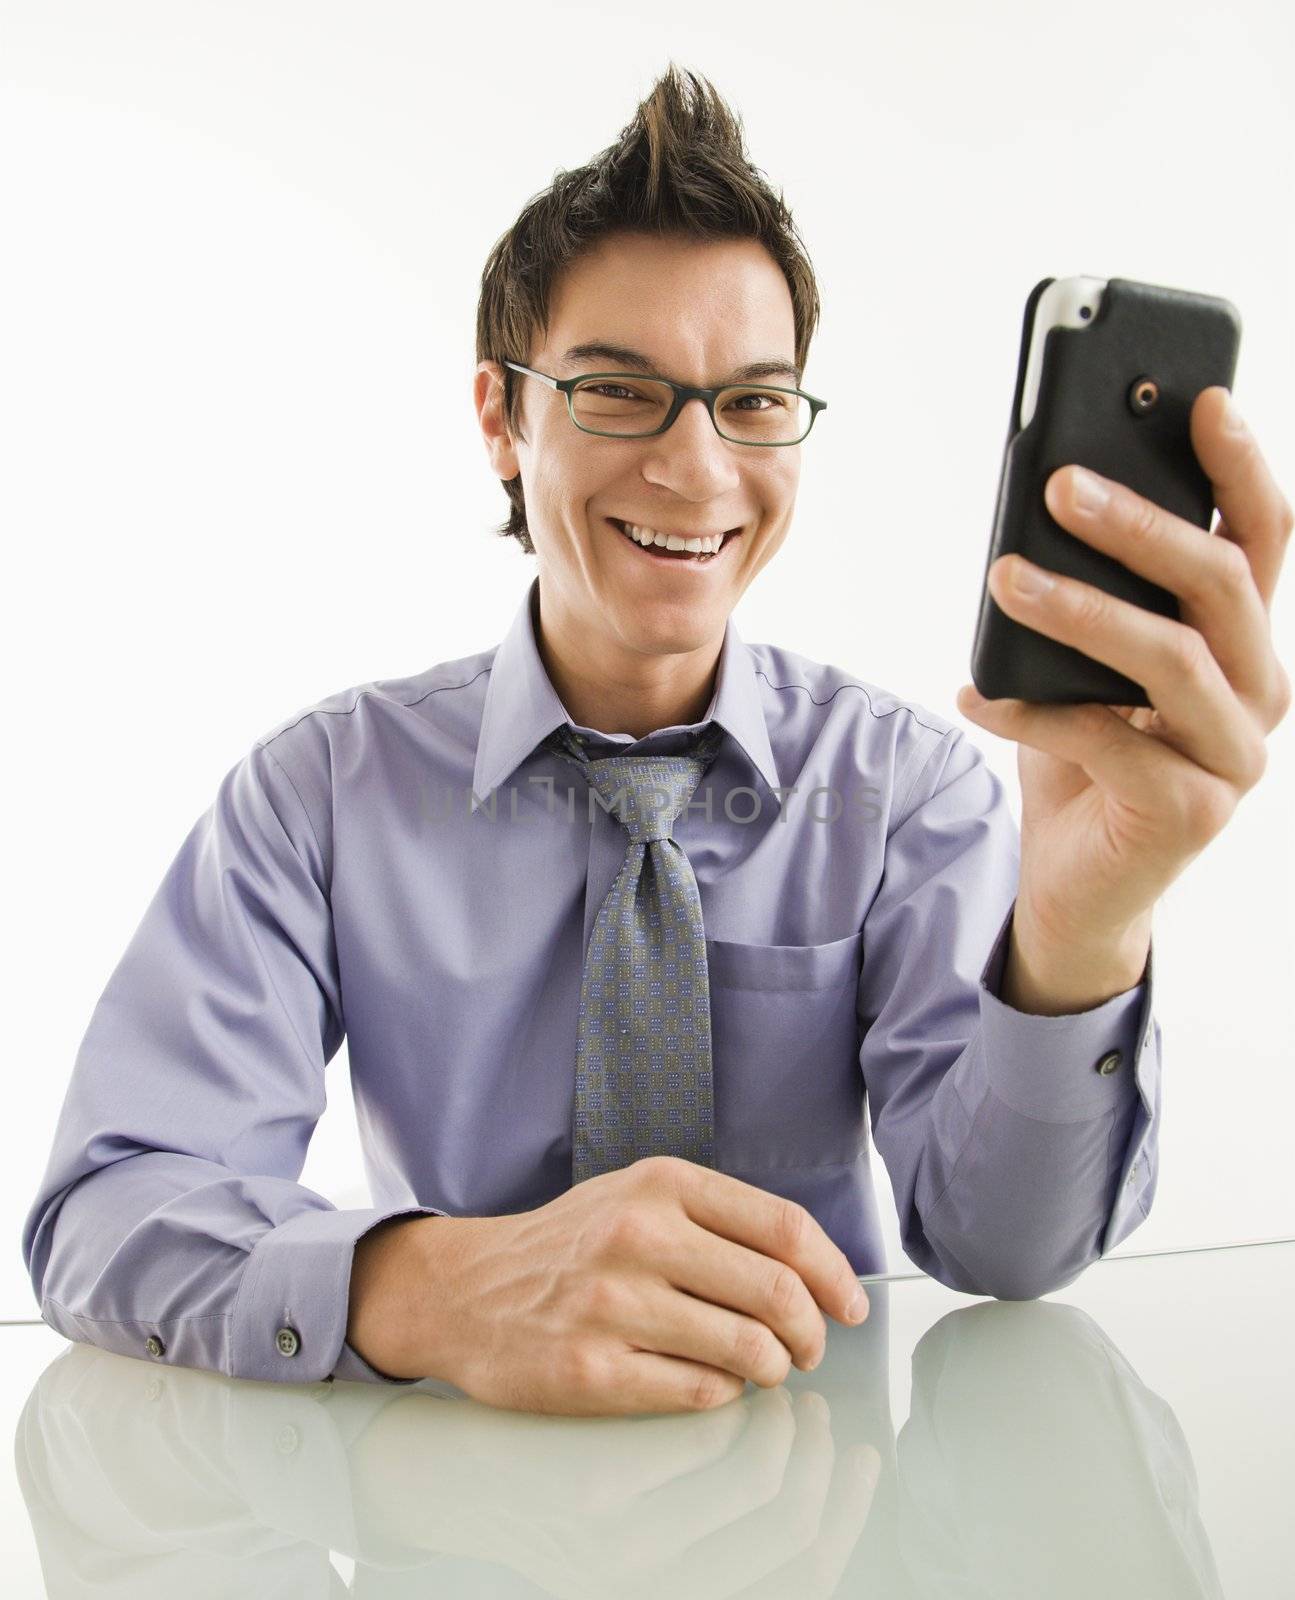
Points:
x=400, y=865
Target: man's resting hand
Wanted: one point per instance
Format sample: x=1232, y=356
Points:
x=662, y=1286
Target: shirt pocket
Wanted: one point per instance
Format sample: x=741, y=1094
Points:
x=788, y=1090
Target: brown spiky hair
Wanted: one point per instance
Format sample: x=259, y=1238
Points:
x=679, y=168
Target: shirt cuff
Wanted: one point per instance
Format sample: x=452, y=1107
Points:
x=352, y=1366
x=290, y=1320
x=1068, y=1068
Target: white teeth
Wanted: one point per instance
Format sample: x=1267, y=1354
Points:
x=673, y=541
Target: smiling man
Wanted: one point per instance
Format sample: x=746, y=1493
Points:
x=632, y=609
x=635, y=929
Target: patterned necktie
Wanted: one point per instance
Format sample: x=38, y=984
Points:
x=643, y=1061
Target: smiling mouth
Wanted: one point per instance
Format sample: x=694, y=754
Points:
x=656, y=552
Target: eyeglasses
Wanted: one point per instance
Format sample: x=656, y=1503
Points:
x=626, y=405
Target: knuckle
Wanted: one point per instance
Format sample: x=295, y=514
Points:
x=1090, y=608
x=791, y=1222
x=1144, y=521
x=629, y=1231
x=599, y=1297
x=711, y=1389
x=785, y=1290
x=1233, y=573
x=1189, y=651
x=751, y=1349
x=1285, y=519
x=658, y=1170
x=581, y=1367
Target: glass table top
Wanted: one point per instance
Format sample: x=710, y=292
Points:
x=1128, y=1435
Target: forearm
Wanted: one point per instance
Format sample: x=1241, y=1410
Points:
x=1028, y=1201
x=208, y=1264
x=1033, y=1160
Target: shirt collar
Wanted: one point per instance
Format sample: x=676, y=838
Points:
x=522, y=706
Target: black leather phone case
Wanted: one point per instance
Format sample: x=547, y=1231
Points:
x=1087, y=413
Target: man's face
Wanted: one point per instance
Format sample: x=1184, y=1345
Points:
x=698, y=311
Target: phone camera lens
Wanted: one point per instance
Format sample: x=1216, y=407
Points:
x=1143, y=395
x=1085, y=312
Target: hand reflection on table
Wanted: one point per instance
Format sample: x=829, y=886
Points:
x=688, y=1506
x=1034, y=1462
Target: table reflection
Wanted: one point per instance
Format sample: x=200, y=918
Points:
x=1034, y=1462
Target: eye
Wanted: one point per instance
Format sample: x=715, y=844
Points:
x=762, y=394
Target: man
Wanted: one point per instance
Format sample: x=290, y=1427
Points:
x=610, y=1061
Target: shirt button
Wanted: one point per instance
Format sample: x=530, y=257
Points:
x=1109, y=1062
x=287, y=1341
x=154, y=1346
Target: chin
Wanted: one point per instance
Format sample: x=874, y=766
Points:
x=673, y=626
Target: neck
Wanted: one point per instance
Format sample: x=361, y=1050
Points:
x=624, y=691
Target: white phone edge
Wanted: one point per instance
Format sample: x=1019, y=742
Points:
x=1065, y=303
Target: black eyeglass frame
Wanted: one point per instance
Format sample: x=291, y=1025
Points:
x=683, y=392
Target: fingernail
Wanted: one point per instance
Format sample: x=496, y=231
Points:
x=1030, y=580
x=1090, y=493
x=854, y=1311
x=1233, y=421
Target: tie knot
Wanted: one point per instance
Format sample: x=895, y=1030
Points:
x=645, y=793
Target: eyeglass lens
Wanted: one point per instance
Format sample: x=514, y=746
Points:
x=630, y=406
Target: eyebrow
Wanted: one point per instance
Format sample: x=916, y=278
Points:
x=599, y=350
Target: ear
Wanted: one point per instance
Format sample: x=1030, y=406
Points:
x=488, y=397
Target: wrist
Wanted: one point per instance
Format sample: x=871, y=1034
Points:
x=400, y=1288
x=1050, y=975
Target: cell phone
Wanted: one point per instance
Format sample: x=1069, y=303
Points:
x=1106, y=377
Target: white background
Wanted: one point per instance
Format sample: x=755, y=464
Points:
x=242, y=468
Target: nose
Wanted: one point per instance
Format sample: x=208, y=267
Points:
x=690, y=457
